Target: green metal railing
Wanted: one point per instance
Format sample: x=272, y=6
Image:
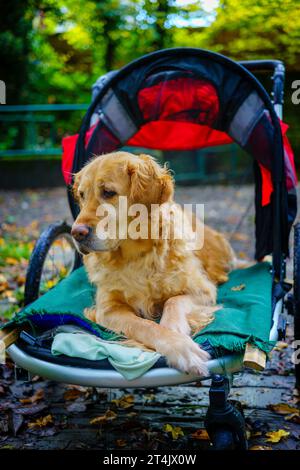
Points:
x=31, y=117
x=192, y=167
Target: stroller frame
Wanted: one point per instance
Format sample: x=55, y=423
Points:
x=225, y=423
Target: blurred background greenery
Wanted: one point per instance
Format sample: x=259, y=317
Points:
x=52, y=51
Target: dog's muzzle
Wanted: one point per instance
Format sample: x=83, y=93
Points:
x=86, y=241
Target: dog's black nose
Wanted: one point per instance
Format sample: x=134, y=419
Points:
x=80, y=232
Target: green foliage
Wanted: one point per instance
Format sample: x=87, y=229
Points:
x=15, y=28
x=255, y=30
x=14, y=250
x=52, y=51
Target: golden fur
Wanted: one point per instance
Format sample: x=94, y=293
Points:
x=139, y=281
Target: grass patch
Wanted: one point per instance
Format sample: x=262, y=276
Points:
x=14, y=251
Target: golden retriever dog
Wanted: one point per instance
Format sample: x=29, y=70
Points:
x=156, y=291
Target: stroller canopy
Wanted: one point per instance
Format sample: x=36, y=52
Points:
x=181, y=99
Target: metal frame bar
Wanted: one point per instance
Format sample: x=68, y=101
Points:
x=159, y=377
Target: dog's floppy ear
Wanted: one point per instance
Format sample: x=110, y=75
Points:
x=77, y=179
x=150, y=183
x=167, y=190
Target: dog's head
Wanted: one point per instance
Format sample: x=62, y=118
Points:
x=101, y=189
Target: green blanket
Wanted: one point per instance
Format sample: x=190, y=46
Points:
x=245, y=315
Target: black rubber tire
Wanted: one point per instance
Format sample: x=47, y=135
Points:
x=223, y=439
x=297, y=295
x=37, y=259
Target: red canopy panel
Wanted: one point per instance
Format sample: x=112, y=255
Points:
x=174, y=135
x=179, y=114
x=184, y=99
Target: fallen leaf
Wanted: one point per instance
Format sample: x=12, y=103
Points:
x=3, y=283
x=37, y=396
x=241, y=237
x=283, y=409
x=149, y=397
x=238, y=288
x=280, y=345
x=108, y=416
x=175, y=431
x=276, y=436
x=49, y=284
x=200, y=435
x=126, y=401
x=72, y=394
x=41, y=422
x=293, y=418
x=260, y=448
x=20, y=280
x=121, y=442
x=11, y=261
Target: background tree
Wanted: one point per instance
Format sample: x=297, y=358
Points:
x=15, y=35
x=52, y=51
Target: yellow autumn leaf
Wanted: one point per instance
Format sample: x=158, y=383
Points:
x=149, y=397
x=175, y=431
x=49, y=284
x=283, y=408
x=241, y=237
x=72, y=394
x=260, y=448
x=63, y=271
x=200, y=435
x=38, y=395
x=10, y=260
x=126, y=401
x=3, y=283
x=280, y=345
x=41, y=422
x=8, y=293
x=239, y=287
x=294, y=418
x=121, y=442
x=276, y=436
x=108, y=416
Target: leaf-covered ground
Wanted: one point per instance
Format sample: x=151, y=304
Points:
x=44, y=415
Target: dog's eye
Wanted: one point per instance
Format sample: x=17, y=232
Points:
x=81, y=194
x=108, y=194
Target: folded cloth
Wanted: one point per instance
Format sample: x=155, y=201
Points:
x=131, y=362
x=245, y=316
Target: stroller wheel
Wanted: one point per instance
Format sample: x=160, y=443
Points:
x=53, y=258
x=297, y=295
x=223, y=439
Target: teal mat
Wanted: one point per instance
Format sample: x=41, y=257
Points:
x=245, y=316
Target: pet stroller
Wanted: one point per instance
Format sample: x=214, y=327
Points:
x=177, y=99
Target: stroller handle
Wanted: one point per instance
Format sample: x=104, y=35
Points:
x=278, y=69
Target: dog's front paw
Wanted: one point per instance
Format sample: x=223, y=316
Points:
x=187, y=356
